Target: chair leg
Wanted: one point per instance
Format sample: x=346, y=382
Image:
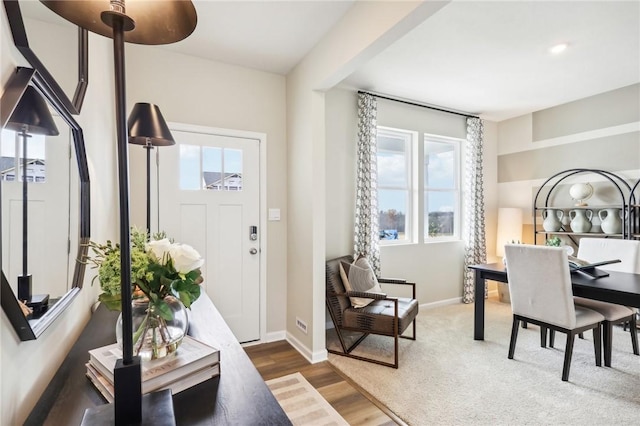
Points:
x=543, y=337
x=568, y=352
x=634, y=334
x=514, y=336
x=607, y=341
x=581, y=335
x=597, y=344
x=552, y=337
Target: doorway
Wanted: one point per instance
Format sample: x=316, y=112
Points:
x=209, y=196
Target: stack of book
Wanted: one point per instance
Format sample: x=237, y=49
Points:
x=193, y=363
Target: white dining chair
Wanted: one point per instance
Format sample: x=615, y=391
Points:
x=628, y=251
x=541, y=294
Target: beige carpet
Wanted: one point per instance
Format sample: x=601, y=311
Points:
x=447, y=378
x=302, y=402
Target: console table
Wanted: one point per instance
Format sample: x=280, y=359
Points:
x=238, y=396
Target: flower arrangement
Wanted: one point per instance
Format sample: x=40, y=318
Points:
x=159, y=268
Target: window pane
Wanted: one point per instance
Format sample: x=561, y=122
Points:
x=233, y=170
x=392, y=162
x=439, y=162
x=36, y=164
x=439, y=210
x=8, y=154
x=212, y=168
x=392, y=205
x=190, y=167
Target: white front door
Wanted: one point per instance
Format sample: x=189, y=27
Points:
x=209, y=198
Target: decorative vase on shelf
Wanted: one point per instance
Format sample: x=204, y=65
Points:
x=552, y=219
x=157, y=332
x=611, y=221
x=581, y=220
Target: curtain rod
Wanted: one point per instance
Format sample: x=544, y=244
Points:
x=418, y=104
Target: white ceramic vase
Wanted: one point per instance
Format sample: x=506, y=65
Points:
x=611, y=221
x=552, y=219
x=581, y=220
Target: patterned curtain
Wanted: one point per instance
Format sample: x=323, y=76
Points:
x=366, y=234
x=473, y=228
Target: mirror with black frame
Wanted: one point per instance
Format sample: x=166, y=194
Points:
x=53, y=188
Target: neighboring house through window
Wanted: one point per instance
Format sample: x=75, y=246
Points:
x=11, y=164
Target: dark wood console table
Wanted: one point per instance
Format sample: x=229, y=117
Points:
x=238, y=396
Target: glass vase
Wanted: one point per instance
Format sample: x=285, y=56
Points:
x=155, y=337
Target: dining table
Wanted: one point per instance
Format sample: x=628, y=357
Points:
x=622, y=288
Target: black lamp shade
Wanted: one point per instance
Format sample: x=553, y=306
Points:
x=156, y=22
x=32, y=115
x=146, y=124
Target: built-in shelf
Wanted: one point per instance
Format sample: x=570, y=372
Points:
x=579, y=234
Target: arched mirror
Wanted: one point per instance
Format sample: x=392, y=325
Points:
x=57, y=188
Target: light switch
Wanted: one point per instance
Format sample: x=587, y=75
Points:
x=274, y=214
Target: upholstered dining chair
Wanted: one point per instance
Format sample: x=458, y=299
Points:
x=540, y=289
x=628, y=251
x=385, y=315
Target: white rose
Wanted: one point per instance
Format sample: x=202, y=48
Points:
x=185, y=258
x=160, y=249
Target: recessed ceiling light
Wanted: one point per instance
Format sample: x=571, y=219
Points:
x=558, y=48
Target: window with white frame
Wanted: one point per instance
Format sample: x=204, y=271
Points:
x=394, y=149
x=437, y=197
x=441, y=168
x=11, y=157
x=210, y=168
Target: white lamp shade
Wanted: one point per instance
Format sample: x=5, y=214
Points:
x=509, y=228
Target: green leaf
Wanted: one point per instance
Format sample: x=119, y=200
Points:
x=162, y=308
x=185, y=298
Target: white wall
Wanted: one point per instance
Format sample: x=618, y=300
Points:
x=435, y=267
x=27, y=367
x=192, y=90
x=600, y=132
x=366, y=29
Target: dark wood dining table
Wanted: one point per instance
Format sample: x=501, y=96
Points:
x=618, y=287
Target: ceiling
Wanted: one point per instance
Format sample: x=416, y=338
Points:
x=487, y=58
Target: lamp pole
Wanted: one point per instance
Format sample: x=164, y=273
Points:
x=127, y=372
x=148, y=147
x=24, y=281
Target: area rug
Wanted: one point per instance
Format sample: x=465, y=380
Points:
x=302, y=403
x=447, y=378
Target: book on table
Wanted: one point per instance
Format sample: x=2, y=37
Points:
x=191, y=357
x=105, y=387
x=590, y=268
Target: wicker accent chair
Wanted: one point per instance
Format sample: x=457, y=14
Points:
x=386, y=316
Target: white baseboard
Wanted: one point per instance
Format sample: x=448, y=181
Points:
x=437, y=304
x=275, y=336
x=312, y=357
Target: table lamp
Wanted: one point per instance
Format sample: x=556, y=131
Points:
x=31, y=116
x=141, y=22
x=148, y=128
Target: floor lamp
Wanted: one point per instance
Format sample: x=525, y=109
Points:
x=140, y=22
x=148, y=128
x=31, y=116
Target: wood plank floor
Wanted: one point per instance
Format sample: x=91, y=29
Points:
x=278, y=359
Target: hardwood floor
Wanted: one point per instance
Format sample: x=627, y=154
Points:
x=278, y=359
